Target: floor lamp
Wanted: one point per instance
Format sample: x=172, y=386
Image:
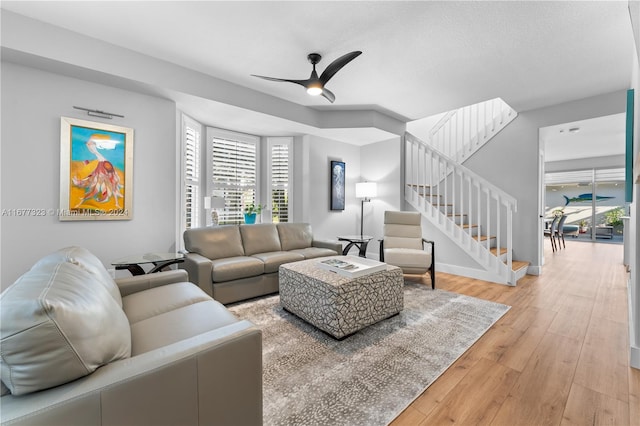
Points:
x=365, y=190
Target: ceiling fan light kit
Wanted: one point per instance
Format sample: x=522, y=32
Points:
x=316, y=85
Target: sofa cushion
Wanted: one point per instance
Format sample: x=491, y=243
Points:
x=294, y=235
x=58, y=323
x=158, y=300
x=274, y=259
x=234, y=268
x=261, y=238
x=179, y=324
x=313, y=252
x=215, y=242
x=87, y=260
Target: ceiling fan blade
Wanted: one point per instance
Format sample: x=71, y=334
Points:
x=300, y=82
x=328, y=94
x=336, y=65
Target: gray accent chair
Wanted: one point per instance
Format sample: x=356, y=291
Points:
x=403, y=246
x=237, y=262
x=79, y=348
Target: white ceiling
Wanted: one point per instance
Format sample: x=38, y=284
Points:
x=597, y=137
x=420, y=58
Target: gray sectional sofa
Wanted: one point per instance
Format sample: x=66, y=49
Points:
x=238, y=262
x=79, y=348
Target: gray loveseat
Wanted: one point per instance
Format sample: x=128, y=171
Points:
x=79, y=348
x=238, y=262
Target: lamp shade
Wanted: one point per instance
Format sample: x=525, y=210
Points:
x=213, y=202
x=217, y=202
x=366, y=190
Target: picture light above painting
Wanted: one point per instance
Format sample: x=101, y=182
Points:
x=96, y=171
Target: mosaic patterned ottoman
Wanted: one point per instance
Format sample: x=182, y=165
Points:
x=336, y=304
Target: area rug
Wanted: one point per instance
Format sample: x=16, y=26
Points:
x=370, y=377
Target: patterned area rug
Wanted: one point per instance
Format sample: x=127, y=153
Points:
x=370, y=377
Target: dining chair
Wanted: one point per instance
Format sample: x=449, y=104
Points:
x=559, y=234
x=551, y=231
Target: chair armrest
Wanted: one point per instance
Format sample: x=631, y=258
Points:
x=428, y=241
x=129, y=285
x=199, y=269
x=328, y=244
x=212, y=378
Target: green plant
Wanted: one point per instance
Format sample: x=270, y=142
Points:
x=614, y=217
x=583, y=223
x=558, y=212
x=253, y=209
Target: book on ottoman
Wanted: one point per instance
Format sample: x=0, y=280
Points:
x=351, y=266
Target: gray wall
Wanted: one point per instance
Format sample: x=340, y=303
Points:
x=32, y=103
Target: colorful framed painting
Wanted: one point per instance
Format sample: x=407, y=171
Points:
x=337, y=185
x=96, y=171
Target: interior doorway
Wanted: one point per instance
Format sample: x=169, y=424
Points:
x=582, y=177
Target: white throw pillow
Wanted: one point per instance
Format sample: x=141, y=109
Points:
x=58, y=322
x=87, y=260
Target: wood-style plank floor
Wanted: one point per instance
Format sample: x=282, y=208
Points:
x=560, y=356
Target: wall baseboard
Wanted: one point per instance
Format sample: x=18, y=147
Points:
x=477, y=274
x=534, y=270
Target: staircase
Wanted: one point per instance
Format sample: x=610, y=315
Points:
x=472, y=212
x=460, y=133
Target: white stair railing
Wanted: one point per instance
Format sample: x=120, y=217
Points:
x=461, y=132
x=474, y=213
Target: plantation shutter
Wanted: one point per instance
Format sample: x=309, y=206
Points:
x=280, y=153
x=191, y=157
x=234, y=176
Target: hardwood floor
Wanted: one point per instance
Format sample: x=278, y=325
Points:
x=560, y=356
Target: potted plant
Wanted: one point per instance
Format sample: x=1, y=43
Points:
x=614, y=218
x=251, y=211
x=583, y=226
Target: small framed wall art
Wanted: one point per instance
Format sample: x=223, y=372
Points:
x=337, y=185
x=96, y=171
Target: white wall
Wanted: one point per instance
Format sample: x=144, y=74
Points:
x=634, y=243
x=327, y=223
x=32, y=103
x=380, y=163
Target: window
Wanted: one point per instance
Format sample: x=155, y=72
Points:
x=280, y=153
x=234, y=172
x=230, y=168
x=191, y=131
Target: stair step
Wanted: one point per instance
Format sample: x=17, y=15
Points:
x=494, y=251
x=483, y=238
x=458, y=218
x=468, y=226
x=423, y=190
x=517, y=265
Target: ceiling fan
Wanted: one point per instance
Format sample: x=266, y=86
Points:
x=316, y=85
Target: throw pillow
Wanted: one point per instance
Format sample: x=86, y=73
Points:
x=58, y=322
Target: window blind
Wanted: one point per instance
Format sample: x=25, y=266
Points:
x=191, y=175
x=234, y=167
x=280, y=182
